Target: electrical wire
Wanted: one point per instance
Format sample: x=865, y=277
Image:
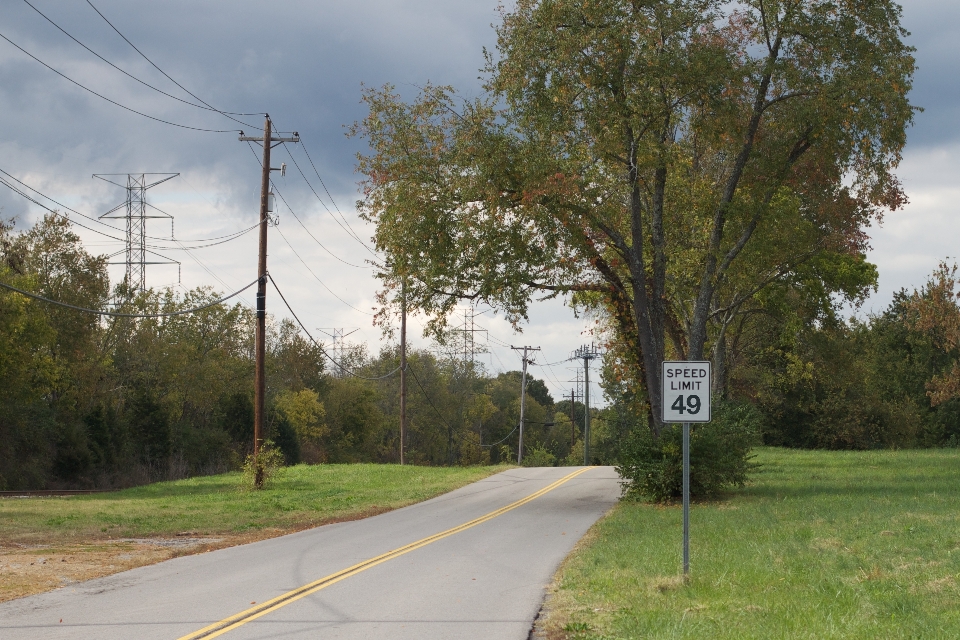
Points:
x=129, y=75
x=309, y=233
x=501, y=440
x=214, y=275
x=327, y=191
x=316, y=277
x=229, y=236
x=181, y=247
x=227, y=114
x=320, y=346
x=115, y=314
x=284, y=200
x=547, y=364
x=114, y=102
x=347, y=229
x=429, y=401
x=115, y=238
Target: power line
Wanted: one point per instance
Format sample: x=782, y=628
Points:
x=74, y=222
x=227, y=114
x=317, y=277
x=212, y=274
x=502, y=439
x=309, y=233
x=348, y=229
x=284, y=200
x=429, y=401
x=124, y=72
x=320, y=346
x=114, y=102
x=215, y=240
x=26, y=196
x=125, y=315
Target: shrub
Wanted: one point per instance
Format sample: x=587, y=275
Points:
x=539, y=457
x=575, y=457
x=719, y=456
x=265, y=466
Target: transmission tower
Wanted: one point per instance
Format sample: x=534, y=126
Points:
x=469, y=330
x=136, y=217
x=339, y=351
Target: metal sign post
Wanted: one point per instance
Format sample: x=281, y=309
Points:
x=686, y=399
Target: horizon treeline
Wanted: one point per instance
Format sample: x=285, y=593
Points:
x=103, y=402
x=89, y=401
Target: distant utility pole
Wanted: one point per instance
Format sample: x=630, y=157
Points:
x=136, y=217
x=587, y=353
x=575, y=393
x=403, y=365
x=523, y=395
x=260, y=376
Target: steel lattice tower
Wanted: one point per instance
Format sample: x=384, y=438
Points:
x=136, y=216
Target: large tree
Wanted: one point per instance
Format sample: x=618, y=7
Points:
x=662, y=161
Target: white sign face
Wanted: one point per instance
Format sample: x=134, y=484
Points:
x=686, y=391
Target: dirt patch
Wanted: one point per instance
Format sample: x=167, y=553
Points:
x=29, y=569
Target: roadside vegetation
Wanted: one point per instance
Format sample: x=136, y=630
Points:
x=295, y=498
x=47, y=543
x=88, y=402
x=820, y=545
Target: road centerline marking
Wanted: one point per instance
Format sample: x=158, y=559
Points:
x=240, y=619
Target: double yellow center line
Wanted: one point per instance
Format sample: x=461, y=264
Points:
x=239, y=619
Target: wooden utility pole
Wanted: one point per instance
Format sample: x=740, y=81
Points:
x=260, y=381
x=523, y=396
x=587, y=352
x=403, y=366
x=573, y=421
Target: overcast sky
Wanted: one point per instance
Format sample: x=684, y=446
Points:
x=305, y=62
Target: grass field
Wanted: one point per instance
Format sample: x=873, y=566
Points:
x=819, y=545
x=47, y=543
x=296, y=497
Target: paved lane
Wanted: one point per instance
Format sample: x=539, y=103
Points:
x=484, y=581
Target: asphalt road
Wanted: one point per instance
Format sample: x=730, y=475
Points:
x=472, y=563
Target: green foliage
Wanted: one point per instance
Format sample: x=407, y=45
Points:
x=122, y=401
x=108, y=402
x=262, y=467
x=857, y=385
x=575, y=457
x=284, y=436
x=662, y=163
x=538, y=456
x=720, y=456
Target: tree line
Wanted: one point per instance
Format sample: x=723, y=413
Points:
x=87, y=401
x=90, y=401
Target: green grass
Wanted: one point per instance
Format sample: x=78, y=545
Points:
x=819, y=545
x=296, y=497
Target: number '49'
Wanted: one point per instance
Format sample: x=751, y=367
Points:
x=692, y=406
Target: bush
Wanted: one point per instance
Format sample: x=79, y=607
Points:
x=264, y=466
x=575, y=457
x=719, y=456
x=539, y=457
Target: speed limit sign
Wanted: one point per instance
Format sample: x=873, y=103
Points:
x=686, y=391
x=686, y=399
